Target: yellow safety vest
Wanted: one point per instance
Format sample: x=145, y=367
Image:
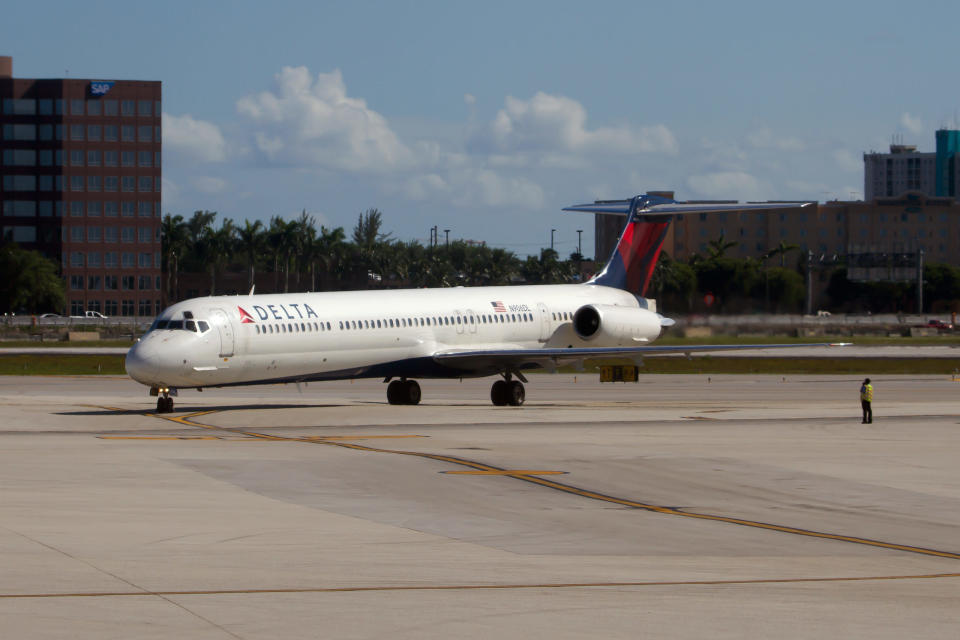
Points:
x=866, y=392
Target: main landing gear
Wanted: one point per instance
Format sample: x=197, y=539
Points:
x=403, y=392
x=507, y=392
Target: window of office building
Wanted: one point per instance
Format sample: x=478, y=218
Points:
x=45, y=132
x=93, y=133
x=45, y=157
x=145, y=134
x=93, y=234
x=76, y=307
x=145, y=159
x=145, y=264
x=145, y=108
x=110, y=158
x=45, y=208
x=20, y=157
x=93, y=208
x=110, y=133
x=127, y=132
x=127, y=234
x=93, y=158
x=110, y=306
x=19, y=208
x=128, y=183
x=76, y=158
x=20, y=233
x=93, y=183
x=128, y=108
x=126, y=307
x=144, y=235
x=127, y=282
x=143, y=283
x=109, y=107
x=127, y=209
x=76, y=183
x=127, y=158
x=44, y=183
x=145, y=308
x=110, y=209
x=110, y=283
x=58, y=157
x=19, y=107
x=76, y=234
x=145, y=183
x=19, y=183
x=156, y=159
x=109, y=234
x=76, y=282
x=19, y=132
x=93, y=107
x=94, y=283
x=93, y=259
x=110, y=260
x=110, y=183
x=76, y=259
x=45, y=107
x=76, y=132
x=77, y=108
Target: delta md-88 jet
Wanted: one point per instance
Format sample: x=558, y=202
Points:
x=403, y=335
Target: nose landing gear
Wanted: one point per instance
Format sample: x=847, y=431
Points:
x=164, y=401
x=403, y=392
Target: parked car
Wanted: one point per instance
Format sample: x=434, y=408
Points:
x=50, y=315
x=939, y=324
x=91, y=315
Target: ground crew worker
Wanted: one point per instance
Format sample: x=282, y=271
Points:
x=866, y=397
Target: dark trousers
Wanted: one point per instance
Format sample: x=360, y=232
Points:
x=867, y=411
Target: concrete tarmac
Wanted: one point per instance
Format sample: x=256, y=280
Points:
x=680, y=506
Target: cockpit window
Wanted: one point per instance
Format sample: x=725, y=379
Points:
x=204, y=327
x=175, y=324
x=190, y=325
x=161, y=324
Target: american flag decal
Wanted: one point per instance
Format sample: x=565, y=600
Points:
x=498, y=307
x=246, y=318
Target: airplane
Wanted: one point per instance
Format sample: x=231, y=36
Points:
x=405, y=335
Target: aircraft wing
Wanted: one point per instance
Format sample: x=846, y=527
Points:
x=622, y=207
x=552, y=357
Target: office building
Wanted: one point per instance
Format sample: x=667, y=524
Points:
x=81, y=183
x=936, y=174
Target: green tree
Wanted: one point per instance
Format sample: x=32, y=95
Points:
x=29, y=282
x=251, y=241
x=174, y=233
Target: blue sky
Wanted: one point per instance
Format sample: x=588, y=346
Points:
x=488, y=118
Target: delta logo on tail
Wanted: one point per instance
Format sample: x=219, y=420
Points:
x=245, y=318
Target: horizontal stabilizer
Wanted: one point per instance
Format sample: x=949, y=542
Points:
x=622, y=207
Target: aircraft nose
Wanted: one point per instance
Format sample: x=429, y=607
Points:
x=143, y=362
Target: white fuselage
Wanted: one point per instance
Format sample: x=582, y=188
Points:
x=389, y=333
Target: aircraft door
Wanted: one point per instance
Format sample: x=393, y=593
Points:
x=460, y=319
x=544, y=322
x=222, y=321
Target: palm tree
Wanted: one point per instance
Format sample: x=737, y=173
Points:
x=29, y=281
x=220, y=245
x=330, y=248
x=779, y=250
x=173, y=230
x=717, y=248
x=251, y=242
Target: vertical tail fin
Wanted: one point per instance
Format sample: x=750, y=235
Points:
x=635, y=256
x=648, y=219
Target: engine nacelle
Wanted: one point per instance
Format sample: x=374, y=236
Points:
x=606, y=325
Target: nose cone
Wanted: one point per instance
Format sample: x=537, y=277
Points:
x=143, y=362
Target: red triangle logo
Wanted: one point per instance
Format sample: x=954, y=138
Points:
x=245, y=318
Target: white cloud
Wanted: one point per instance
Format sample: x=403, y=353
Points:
x=467, y=187
x=209, y=185
x=727, y=185
x=470, y=99
x=556, y=123
x=196, y=139
x=312, y=122
x=913, y=124
x=764, y=138
x=847, y=160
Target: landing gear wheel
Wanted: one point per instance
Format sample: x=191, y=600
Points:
x=403, y=392
x=516, y=394
x=498, y=393
x=411, y=392
x=164, y=404
x=394, y=392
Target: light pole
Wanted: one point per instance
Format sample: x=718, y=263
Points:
x=552, y=231
x=447, y=234
x=579, y=245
